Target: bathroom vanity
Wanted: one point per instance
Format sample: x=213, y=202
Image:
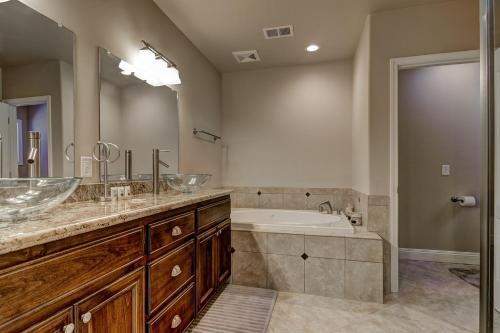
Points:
x=143, y=265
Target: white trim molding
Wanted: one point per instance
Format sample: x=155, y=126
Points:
x=397, y=64
x=455, y=257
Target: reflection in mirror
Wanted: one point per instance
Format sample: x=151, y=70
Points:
x=36, y=95
x=137, y=117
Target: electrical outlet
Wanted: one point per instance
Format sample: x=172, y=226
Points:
x=127, y=191
x=86, y=166
x=114, y=193
x=121, y=192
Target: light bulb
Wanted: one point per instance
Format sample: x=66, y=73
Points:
x=312, y=48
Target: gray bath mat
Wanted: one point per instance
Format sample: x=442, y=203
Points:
x=236, y=309
x=469, y=275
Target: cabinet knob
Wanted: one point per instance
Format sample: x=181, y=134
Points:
x=176, y=271
x=176, y=231
x=70, y=328
x=86, y=317
x=176, y=321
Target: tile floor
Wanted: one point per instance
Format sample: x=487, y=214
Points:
x=430, y=300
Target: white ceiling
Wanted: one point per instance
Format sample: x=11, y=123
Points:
x=219, y=27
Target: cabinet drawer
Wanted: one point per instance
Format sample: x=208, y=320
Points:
x=177, y=316
x=214, y=213
x=170, y=273
x=51, y=277
x=171, y=232
x=58, y=323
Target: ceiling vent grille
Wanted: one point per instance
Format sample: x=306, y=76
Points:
x=278, y=32
x=246, y=56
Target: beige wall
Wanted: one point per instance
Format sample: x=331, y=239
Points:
x=361, y=113
x=439, y=123
x=288, y=126
x=68, y=116
x=443, y=27
x=120, y=25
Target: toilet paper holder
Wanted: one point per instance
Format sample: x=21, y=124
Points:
x=464, y=201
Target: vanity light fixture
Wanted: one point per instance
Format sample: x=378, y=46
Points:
x=127, y=69
x=153, y=67
x=312, y=48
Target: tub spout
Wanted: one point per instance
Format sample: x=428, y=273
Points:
x=325, y=208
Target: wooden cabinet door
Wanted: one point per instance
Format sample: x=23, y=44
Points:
x=116, y=308
x=224, y=251
x=206, y=279
x=61, y=322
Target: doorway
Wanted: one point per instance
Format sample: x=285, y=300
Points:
x=23, y=115
x=435, y=137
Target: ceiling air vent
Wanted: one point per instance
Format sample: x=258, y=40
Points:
x=278, y=32
x=246, y=56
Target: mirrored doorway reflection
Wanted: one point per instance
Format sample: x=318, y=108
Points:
x=36, y=94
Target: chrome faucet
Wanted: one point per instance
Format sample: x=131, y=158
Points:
x=33, y=159
x=325, y=208
x=128, y=164
x=156, y=168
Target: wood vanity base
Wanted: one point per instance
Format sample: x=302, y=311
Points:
x=148, y=275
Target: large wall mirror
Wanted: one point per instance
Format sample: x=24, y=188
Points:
x=36, y=94
x=137, y=118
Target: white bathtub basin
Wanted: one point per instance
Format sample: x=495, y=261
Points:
x=289, y=221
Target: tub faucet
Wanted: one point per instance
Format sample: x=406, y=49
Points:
x=325, y=208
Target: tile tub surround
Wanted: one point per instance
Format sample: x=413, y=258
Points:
x=72, y=219
x=374, y=209
x=289, y=198
x=347, y=266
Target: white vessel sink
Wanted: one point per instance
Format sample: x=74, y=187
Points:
x=21, y=197
x=186, y=183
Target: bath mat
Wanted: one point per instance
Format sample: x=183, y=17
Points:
x=469, y=275
x=236, y=309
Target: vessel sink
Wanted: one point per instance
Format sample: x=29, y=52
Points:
x=186, y=183
x=21, y=197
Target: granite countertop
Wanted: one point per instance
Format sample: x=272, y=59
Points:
x=80, y=217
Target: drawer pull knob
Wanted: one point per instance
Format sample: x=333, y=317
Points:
x=86, y=317
x=176, y=271
x=70, y=328
x=176, y=231
x=176, y=321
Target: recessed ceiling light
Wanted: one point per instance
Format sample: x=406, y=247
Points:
x=312, y=48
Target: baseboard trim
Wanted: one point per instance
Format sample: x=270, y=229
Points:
x=470, y=258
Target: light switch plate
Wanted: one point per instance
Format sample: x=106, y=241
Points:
x=86, y=166
x=445, y=170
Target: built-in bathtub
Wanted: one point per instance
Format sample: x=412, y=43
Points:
x=306, y=252
x=290, y=221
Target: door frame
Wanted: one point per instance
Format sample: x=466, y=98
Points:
x=397, y=64
x=23, y=101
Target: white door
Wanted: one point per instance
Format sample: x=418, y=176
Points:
x=8, y=133
x=497, y=183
